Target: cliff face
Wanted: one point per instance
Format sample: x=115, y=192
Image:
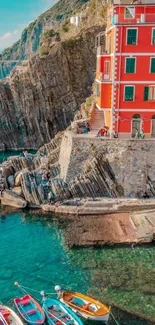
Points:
x=42, y=97
x=30, y=39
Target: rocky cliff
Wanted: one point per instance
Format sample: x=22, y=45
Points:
x=30, y=38
x=42, y=97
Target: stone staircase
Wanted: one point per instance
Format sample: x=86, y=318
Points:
x=96, y=120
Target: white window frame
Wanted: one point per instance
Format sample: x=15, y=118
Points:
x=133, y=119
x=152, y=57
x=107, y=74
x=125, y=12
x=130, y=57
x=151, y=100
x=127, y=36
x=151, y=125
x=152, y=36
x=129, y=101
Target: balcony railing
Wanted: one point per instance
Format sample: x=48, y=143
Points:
x=123, y=2
x=101, y=50
x=138, y=19
x=104, y=76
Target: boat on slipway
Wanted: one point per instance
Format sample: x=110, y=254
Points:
x=85, y=306
x=9, y=317
x=30, y=310
x=59, y=314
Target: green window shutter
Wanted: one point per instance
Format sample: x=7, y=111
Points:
x=146, y=93
x=129, y=93
x=153, y=36
x=130, y=65
x=152, y=65
x=131, y=36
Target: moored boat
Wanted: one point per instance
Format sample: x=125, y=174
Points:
x=30, y=310
x=85, y=306
x=58, y=314
x=9, y=317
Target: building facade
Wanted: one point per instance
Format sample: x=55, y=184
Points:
x=125, y=76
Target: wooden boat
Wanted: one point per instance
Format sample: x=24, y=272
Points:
x=8, y=316
x=85, y=306
x=58, y=314
x=30, y=310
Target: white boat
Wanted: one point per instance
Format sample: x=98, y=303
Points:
x=85, y=306
x=9, y=317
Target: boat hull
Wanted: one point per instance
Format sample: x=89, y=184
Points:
x=85, y=306
x=14, y=317
x=30, y=310
x=57, y=313
x=103, y=318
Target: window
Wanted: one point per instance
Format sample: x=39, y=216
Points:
x=149, y=93
x=130, y=65
x=107, y=69
x=129, y=93
x=129, y=12
x=152, y=65
x=153, y=35
x=131, y=36
x=97, y=89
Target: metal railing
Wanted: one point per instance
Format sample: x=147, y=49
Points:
x=104, y=76
x=137, y=19
x=101, y=50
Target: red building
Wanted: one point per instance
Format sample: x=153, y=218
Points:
x=125, y=76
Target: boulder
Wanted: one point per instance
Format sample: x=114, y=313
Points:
x=18, y=179
x=18, y=190
x=11, y=180
x=10, y=198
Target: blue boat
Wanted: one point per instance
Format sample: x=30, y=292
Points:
x=30, y=310
x=58, y=314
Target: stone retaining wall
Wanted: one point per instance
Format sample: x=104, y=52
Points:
x=132, y=161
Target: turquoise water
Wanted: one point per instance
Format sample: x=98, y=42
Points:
x=6, y=154
x=33, y=252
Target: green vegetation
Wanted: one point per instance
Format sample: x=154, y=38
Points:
x=51, y=33
x=65, y=26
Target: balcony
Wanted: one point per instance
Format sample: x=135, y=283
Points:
x=138, y=19
x=127, y=2
x=104, y=76
x=101, y=50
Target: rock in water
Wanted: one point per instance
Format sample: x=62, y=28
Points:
x=12, y=199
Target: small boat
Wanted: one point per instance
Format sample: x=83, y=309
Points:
x=58, y=314
x=30, y=310
x=85, y=306
x=9, y=317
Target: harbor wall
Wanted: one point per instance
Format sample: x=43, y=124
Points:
x=131, y=161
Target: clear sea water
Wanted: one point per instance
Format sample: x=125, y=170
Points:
x=34, y=253
x=5, y=154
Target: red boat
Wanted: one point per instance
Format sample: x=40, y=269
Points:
x=30, y=310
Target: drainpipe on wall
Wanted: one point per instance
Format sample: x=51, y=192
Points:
x=113, y=81
x=120, y=65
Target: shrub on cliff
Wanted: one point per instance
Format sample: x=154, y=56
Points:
x=65, y=26
x=51, y=33
x=43, y=50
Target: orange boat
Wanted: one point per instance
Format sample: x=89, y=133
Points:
x=85, y=306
